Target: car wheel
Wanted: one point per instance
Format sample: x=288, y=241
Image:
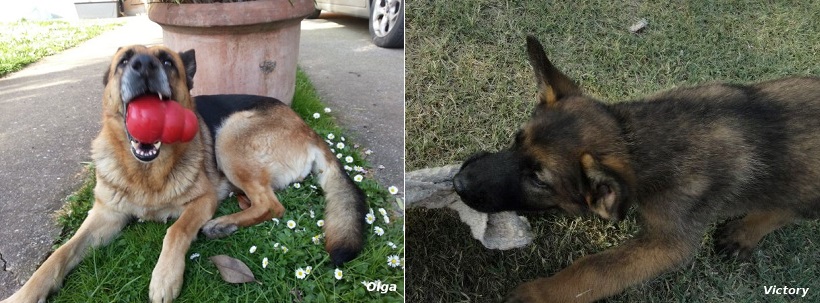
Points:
x=387, y=23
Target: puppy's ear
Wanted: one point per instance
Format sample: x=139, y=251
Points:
x=189, y=61
x=552, y=84
x=608, y=193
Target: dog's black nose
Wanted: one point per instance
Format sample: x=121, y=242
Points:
x=144, y=64
x=459, y=184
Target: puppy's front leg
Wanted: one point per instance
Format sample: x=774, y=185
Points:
x=607, y=273
x=166, y=280
x=99, y=227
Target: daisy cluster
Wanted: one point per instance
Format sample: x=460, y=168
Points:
x=294, y=229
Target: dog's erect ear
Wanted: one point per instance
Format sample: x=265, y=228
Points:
x=608, y=193
x=107, y=73
x=189, y=61
x=552, y=84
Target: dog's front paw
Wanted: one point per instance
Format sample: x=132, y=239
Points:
x=24, y=296
x=732, y=242
x=166, y=282
x=217, y=229
x=524, y=293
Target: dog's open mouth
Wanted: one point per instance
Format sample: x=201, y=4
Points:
x=143, y=151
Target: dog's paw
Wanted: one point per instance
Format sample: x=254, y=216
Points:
x=216, y=229
x=23, y=296
x=732, y=242
x=524, y=293
x=166, y=282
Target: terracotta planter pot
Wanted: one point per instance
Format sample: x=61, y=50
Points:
x=241, y=47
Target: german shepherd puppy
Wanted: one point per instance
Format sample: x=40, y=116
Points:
x=686, y=158
x=249, y=144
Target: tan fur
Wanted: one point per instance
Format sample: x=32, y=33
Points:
x=258, y=150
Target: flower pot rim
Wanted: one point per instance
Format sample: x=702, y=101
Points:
x=229, y=14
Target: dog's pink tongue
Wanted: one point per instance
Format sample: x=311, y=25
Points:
x=150, y=120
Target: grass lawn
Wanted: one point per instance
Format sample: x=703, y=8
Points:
x=121, y=271
x=469, y=88
x=25, y=42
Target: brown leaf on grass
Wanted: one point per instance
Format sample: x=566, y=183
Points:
x=232, y=270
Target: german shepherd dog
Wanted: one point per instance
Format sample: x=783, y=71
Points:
x=686, y=158
x=248, y=144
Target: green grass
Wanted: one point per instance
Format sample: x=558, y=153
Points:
x=469, y=88
x=25, y=42
x=121, y=271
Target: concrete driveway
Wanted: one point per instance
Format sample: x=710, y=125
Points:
x=49, y=113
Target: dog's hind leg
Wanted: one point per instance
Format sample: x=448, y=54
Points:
x=263, y=202
x=101, y=225
x=166, y=279
x=740, y=237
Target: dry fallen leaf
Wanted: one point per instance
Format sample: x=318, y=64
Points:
x=232, y=270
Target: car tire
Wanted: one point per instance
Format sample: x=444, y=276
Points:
x=315, y=14
x=387, y=23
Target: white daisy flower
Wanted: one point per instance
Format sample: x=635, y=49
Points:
x=327, y=109
x=253, y=249
x=315, y=239
x=265, y=262
x=393, y=261
x=393, y=190
x=358, y=178
x=320, y=223
x=349, y=159
x=386, y=219
x=275, y=221
x=331, y=136
x=284, y=249
x=316, y=115
x=338, y=274
x=382, y=211
x=312, y=214
x=297, y=185
x=275, y=245
x=308, y=269
x=348, y=168
x=332, y=150
x=291, y=224
x=358, y=169
x=378, y=230
x=370, y=218
x=194, y=256
x=342, y=138
x=392, y=245
x=339, y=155
x=300, y=273
x=340, y=145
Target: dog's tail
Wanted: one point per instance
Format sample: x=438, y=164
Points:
x=344, y=208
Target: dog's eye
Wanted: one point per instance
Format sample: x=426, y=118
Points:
x=124, y=61
x=538, y=182
x=168, y=63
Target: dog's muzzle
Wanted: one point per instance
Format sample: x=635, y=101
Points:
x=143, y=75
